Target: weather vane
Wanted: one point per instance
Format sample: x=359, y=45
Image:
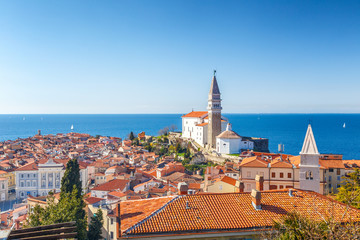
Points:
x=214, y=72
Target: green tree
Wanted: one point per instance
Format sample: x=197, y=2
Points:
x=131, y=136
x=187, y=153
x=35, y=217
x=70, y=206
x=177, y=147
x=136, y=142
x=95, y=226
x=294, y=226
x=71, y=178
x=349, y=192
x=171, y=149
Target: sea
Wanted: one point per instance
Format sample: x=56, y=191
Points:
x=289, y=129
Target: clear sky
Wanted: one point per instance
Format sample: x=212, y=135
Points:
x=158, y=56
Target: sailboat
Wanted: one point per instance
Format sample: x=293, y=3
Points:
x=72, y=127
x=24, y=118
x=344, y=125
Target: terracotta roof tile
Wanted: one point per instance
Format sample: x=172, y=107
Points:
x=331, y=164
x=112, y=185
x=196, y=114
x=225, y=212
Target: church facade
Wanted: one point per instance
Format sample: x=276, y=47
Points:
x=211, y=130
x=204, y=126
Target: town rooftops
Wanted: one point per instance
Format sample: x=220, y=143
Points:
x=111, y=185
x=220, y=213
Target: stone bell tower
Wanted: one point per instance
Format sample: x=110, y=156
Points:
x=309, y=164
x=214, y=112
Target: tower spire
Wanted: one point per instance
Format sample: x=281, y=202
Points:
x=214, y=112
x=214, y=88
x=309, y=146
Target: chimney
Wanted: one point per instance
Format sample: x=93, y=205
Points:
x=256, y=199
x=118, y=221
x=291, y=192
x=259, y=183
x=182, y=188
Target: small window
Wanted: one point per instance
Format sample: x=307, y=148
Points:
x=289, y=175
x=331, y=170
x=281, y=175
x=338, y=178
x=281, y=186
x=338, y=171
x=111, y=221
x=112, y=235
x=273, y=175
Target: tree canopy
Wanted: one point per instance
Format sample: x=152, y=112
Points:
x=71, y=178
x=95, y=226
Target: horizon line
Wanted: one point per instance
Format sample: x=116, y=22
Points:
x=174, y=113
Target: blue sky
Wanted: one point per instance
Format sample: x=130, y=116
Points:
x=158, y=56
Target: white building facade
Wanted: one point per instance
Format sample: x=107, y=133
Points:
x=39, y=179
x=4, y=189
x=195, y=126
x=229, y=142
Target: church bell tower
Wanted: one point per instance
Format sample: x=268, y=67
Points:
x=309, y=164
x=214, y=112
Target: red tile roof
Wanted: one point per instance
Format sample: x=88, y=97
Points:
x=253, y=162
x=196, y=114
x=115, y=184
x=228, y=180
x=92, y=200
x=225, y=212
x=135, y=211
x=331, y=164
x=28, y=167
x=281, y=164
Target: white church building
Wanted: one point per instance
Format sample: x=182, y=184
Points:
x=195, y=126
x=229, y=142
x=209, y=128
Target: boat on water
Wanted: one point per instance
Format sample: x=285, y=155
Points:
x=72, y=127
x=344, y=125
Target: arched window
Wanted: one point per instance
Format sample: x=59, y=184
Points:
x=311, y=175
x=307, y=175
